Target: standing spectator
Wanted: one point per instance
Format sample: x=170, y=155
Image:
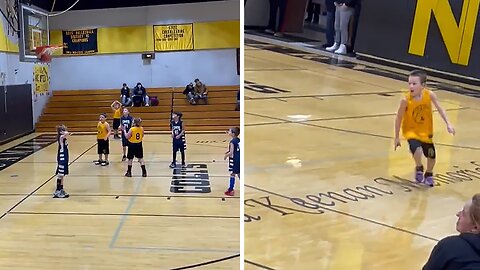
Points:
x=353, y=34
x=344, y=10
x=200, y=91
x=125, y=95
x=330, y=31
x=273, y=27
x=313, y=12
x=189, y=93
x=140, y=95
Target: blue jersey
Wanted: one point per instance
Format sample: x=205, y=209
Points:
x=177, y=128
x=234, y=162
x=127, y=122
x=62, y=154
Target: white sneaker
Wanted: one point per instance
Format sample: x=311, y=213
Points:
x=342, y=49
x=333, y=48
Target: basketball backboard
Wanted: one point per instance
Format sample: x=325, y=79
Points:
x=34, y=31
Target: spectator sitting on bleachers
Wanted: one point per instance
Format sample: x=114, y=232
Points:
x=140, y=96
x=125, y=95
x=189, y=93
x=200, y=91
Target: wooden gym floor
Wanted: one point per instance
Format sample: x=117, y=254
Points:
x=114, y=222
x=324, y=188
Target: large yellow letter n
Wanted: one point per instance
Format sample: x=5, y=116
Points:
x=458, y=38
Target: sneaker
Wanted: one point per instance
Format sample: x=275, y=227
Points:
x=173, y=165
x=124, y=158
x=419, y=177
x=278, y=34
x=342, y=49
x=56, y=194
x=334, y=47
x=105, y=163
x=128, y=174
x=61, y=194
x=429, y=181
x=230, y=193
x=184, y=165
x=98, y=162
x=144, y=174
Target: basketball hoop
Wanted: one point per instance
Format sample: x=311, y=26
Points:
x=44, y=53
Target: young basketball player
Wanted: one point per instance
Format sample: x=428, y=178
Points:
x=103, y=147
x=126, y=122
x=62, y=161
x=117, y=112
x=416, y=119
x=135, y=147
x=233, y=155
x=178, y=135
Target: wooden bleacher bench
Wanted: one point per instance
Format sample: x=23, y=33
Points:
x=79, y=109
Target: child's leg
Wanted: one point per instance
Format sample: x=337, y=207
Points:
x=429, y=152
x=416, y=150
x=59, y=182
x=144, y=169
x=124, y=151
x=174, y=158
x=182, y=152
x=129, y=167
x=232, y=182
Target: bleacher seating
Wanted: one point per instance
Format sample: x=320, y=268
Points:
x=79, y=110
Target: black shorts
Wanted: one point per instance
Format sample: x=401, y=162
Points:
x=103, y=147
x=116, y=123
x=62, y=169
x=178, y=146
x=428, y=148
x=135, y=150
x=125, y=141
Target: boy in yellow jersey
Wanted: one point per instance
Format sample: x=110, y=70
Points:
x=415, y=117
x=135, y=147
x=103, y=133
x=117, y=113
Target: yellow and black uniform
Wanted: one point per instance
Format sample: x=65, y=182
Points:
x=135, y=147
x=116, y=118
x=417, y=124
x=103, y=145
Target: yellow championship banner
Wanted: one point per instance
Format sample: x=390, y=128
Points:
x=173, y=37
x=41, y=79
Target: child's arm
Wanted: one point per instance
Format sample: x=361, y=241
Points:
x=181, y=133
x=398, y=121
x=231, y=151
x=109, y=131
x=442, y=112
x=127, y=134
x=143, y=132
x=113, y=104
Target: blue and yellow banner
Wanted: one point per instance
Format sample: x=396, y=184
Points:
x=80, y=42
x=41, y=79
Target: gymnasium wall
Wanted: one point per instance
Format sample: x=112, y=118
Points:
x=408, y=32
x=16, y=72
x=124, y=34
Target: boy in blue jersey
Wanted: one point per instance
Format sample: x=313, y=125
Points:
x=126, y=122
x=233, y=155
x=62, y=161
x=178, y=136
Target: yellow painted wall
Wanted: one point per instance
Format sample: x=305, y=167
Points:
x=6, y=42
x=216, y=35
x=135, y=39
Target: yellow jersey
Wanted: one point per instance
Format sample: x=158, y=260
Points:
x=418, y=119
x=137, y=135
x=117, y=114
x=102, y=130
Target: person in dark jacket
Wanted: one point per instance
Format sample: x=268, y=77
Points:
x=125, y=95
x=140, y=95
x=189, y=93
x=330, y=28
x=460, y=252
x=279, y=6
